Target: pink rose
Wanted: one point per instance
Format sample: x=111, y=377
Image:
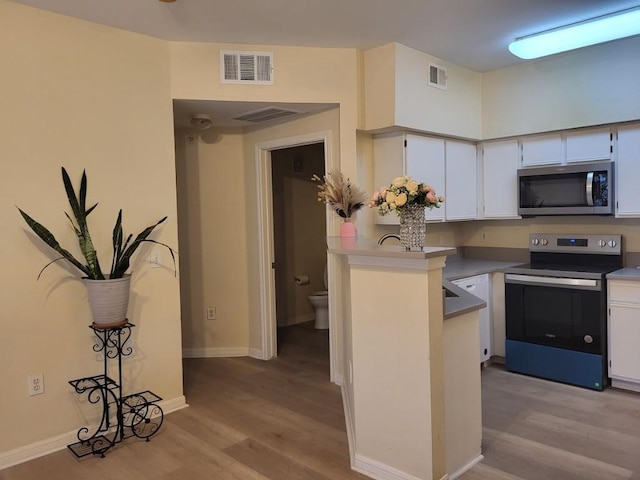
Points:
x=432, y=197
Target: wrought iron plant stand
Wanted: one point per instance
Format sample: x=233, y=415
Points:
x=123, y=416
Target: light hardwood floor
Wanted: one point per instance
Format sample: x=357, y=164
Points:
x=283, y=420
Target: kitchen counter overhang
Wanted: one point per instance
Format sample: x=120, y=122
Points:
x=457, y=301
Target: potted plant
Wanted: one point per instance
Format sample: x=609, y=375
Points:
x=108, y=293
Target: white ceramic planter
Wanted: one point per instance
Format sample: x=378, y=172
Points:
x=109, y=300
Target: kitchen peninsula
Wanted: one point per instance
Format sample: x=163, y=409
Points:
x=412, y=380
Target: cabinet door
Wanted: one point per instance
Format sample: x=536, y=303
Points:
x=628, y=172
x=388, y=163
x=624, y=337
x=461, y=181
x=589, y=145
x=542, y=150
x=424, y=160
x=479, y=286
x=500, y=179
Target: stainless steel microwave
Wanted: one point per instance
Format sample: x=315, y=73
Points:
x=580, y=189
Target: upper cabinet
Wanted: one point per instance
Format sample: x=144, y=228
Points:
x=589, y=145
x=461, y=181
x=542, y=150
x=628, y=171
x=421, y=158
x=500, y=179
x=424, y=158
x=448, y=166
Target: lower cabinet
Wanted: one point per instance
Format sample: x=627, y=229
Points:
x=624, y=333
x=479, y=286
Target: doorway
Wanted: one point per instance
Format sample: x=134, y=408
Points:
x=268, y=324
x=299, y=232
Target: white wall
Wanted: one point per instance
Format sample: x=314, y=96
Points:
x=83, y=96
x=591, y=86
x=397, y=94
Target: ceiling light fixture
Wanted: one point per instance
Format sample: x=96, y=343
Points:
x=201, y=121
x=625, y=23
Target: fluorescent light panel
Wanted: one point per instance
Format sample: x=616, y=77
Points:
x=590, y=32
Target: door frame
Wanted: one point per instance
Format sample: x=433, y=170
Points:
x=268, y=322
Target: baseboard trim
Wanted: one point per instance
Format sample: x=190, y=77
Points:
x=459, y=472
x=380, y=471
x=60, y=442
x=211, y=352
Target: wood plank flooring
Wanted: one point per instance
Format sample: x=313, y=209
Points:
x=281, y=420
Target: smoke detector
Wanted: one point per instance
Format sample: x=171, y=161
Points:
x=201, y=121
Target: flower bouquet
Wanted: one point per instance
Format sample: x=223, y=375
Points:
x=402, y=194
x=344, y=198
x=408, y=199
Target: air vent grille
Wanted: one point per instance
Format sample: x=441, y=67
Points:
x=246, y=67
x=265, y=114
x=437, y=76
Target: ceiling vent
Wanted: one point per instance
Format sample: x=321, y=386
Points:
x=265, y=114
x=246, y=67
x=437, y=76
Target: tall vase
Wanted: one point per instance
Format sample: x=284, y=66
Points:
x=347, y=229
x=412, y=227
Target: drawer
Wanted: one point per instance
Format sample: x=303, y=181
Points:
x=625, y=292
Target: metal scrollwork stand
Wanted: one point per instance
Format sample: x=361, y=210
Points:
x=123, y=416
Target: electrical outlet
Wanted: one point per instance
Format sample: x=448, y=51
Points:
x=211, y=313
x=35, y=384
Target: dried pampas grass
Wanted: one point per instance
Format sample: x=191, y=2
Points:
x=337, y=191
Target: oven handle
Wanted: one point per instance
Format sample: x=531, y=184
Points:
x=589, y=188
x=580, y=283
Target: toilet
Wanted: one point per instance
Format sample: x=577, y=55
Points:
x=320, y=302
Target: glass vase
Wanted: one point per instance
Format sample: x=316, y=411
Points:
x=412, y=227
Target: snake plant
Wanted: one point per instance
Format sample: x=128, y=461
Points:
x=122, y=249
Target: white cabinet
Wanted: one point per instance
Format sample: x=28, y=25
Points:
x=461, y=181
x=479, y=286
x=589, y=145
x=421, y=158
x=628, y=172
x=424, y=159
x=542, y=150
x=500, y=179
x=624, y=333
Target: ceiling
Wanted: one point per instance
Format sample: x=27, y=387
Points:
x=470, y=33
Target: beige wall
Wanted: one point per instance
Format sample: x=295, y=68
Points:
x=83, y=96
x=515, y=233
x=212, y=206
x=591, y=86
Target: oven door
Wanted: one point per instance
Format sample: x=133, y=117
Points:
x=567, y=313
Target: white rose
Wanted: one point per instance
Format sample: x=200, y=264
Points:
x=399, y=182
x=412, y=186
x=390, y=197
x=401, y=199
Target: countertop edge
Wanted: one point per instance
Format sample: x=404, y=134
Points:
x=465, y=302
x=629, y=273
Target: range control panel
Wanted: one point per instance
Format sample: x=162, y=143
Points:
x=580, y=243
